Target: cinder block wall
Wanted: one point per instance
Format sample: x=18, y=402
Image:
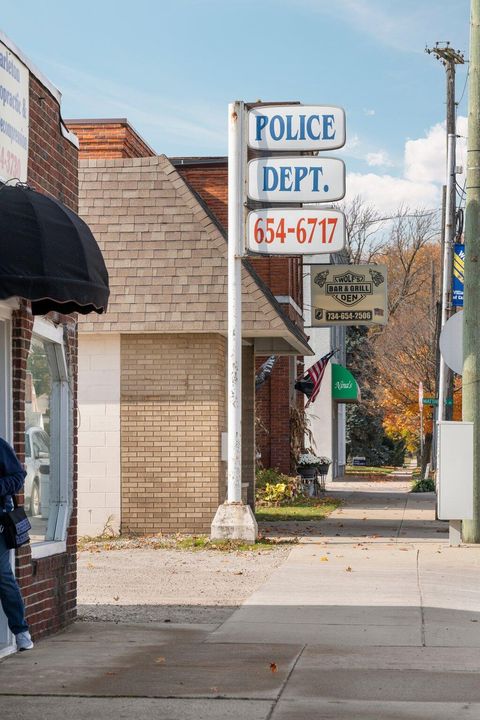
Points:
x=172, y=415
x=99, y=433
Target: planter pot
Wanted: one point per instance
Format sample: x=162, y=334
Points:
x=307, y=472
x=323, y=469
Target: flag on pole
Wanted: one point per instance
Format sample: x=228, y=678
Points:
x=311, y=381
x=265, y=371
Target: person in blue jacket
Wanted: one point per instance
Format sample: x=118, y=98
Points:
x=12, y=477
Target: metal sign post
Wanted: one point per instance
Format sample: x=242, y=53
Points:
x=236, y=185
x=233, y=519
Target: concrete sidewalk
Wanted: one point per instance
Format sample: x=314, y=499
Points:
x=376, y=618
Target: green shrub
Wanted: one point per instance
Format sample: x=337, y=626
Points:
x=425, y=485
x=275, y=488
x=271, y=476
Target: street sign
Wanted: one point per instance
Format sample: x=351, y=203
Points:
x=296, y=127
x=295, y=231
x=451, y=342
x=349, y=295
x=430, y=401
x=296, y=179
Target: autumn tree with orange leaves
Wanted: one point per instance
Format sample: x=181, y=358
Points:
x=403, y=351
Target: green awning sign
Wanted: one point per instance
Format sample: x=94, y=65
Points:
x=344, y=386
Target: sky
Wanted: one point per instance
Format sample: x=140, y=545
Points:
x=172, y=66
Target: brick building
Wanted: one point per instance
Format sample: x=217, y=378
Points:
x=276, y=400
x=38, y=353
x=153, y=373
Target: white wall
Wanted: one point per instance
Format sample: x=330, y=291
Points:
x=99, y=433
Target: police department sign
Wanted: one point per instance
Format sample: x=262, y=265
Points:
x=296, y=179
x=296, y=127
x=349, y=295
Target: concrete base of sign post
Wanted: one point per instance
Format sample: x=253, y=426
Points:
x=234, y=521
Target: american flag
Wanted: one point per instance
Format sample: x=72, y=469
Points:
x=313, y=378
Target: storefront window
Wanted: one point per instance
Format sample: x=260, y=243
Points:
x=47, y=435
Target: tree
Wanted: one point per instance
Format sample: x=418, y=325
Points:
x=365, y=432
x=390, y=361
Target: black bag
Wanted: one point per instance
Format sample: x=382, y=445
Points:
x=15, y=526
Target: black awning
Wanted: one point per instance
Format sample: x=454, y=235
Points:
x=48, y=255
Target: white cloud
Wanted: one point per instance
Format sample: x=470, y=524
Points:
x=375, y=159
x=369, y=112
x=387, y=192
x=425, y=158
x=424, y=172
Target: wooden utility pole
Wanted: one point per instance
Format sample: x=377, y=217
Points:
x=471, y=301
x=449, y=58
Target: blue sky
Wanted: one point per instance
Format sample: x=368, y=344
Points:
x=172, y=66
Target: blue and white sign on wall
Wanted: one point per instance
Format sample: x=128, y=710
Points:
x=296, y=179
x=296, y=127
x=458, y=275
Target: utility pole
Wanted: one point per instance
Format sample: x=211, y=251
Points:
x=471, y=301
x=450, y=58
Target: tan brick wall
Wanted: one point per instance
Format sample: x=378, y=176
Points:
x=172, y=414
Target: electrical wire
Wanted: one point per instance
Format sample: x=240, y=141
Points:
x=463, y=91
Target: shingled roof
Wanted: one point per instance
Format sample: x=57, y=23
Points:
x=167, y=258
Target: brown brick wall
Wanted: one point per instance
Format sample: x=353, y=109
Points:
x=172, y=415
x=48, y=584
x=53, y=160
x=273, y=411
x=115, y=139
x=211, y=183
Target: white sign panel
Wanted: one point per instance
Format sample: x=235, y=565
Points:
x=349, y=295
x=295, y=231
x=296, y=127
x=451, y=343
x=455, y=470
x=14, y=88
x=296, y=179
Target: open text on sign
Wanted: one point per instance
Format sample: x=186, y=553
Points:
x=295, y=231
x=296, y=127
x=296, y=179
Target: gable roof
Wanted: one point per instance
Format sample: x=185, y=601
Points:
x=167, y=257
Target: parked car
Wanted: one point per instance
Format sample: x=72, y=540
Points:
x=37, y=465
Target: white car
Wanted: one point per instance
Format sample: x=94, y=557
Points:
x=37, y=463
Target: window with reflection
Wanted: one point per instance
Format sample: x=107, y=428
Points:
x=47, y=436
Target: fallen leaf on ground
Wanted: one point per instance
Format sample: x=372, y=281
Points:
x=160, y=661
x=348, y=569
x=324, y=558
x=273, y=667
x=116, y=597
